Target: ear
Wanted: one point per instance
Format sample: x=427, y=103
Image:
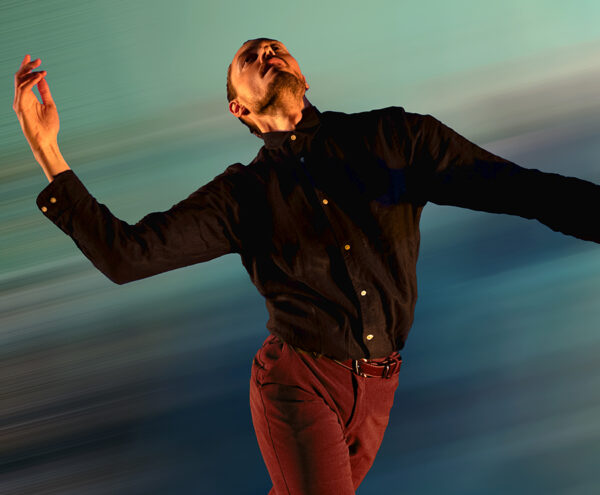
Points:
x=306, y=86
x=237, y=109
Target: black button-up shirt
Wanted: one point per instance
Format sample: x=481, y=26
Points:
x=326, y=221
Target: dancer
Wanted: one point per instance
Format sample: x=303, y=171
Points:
x=326, y=222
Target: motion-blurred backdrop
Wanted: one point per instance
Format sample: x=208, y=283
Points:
x=143, y=388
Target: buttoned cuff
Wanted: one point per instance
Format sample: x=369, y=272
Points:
x=61, y=195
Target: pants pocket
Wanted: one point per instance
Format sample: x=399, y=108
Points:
x=267, y=359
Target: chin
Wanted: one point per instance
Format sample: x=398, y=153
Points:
x=283, y=85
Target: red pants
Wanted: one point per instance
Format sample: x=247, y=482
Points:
x=318, y=424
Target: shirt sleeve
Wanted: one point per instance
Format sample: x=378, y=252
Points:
x=203, y=226
x=451, y=170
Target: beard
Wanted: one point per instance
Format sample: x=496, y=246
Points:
x=283, y=87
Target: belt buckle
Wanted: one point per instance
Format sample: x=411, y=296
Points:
x=386, y=370
x=396, y=364
x=391, y=367
x=356, y=368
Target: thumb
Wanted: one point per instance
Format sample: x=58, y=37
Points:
x=44, y=90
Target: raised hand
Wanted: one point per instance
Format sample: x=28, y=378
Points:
x=39, y=121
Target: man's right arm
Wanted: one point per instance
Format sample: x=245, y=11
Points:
x=201, y=227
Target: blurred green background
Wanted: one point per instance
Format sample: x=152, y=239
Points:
x=142, y=388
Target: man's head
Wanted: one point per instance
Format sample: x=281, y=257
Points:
x=262, y=77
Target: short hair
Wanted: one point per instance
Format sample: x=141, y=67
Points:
x=231, y=92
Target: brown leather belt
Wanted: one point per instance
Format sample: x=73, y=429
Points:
x=365, y=367
x=371, y=369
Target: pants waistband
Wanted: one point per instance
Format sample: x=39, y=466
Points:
x=385, y=368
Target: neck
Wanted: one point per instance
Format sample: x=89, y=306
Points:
x=283, y=119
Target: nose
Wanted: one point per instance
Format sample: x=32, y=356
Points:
x=267, y=52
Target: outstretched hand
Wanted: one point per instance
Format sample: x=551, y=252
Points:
x=39, y=121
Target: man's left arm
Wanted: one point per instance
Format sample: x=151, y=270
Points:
x=451, y=170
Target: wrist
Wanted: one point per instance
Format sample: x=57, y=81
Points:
x=50, y=159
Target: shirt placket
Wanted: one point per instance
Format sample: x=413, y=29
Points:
x=349, y=246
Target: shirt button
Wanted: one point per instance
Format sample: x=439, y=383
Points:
x=44, y=209
x=53, y=200
x=325, y=201
x=293, y=137
x=370, y=336
x=347, y=247
x=363, y=292
x=301, y=159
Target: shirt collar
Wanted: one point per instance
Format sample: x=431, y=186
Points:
x=306, y=128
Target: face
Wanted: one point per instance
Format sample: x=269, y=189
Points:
x=263, y=73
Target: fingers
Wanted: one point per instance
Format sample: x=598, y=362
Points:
x=31, y=80
x=28, y=76
x=24, y=92
x=44, y=90
x=25, y=61
x=25, y=80
x=25, y=68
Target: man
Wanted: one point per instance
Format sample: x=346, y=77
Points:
x=326, y=221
